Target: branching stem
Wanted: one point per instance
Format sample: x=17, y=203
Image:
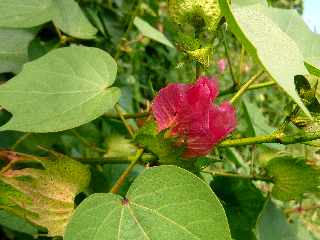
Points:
x=125, y=174
x=245, y=86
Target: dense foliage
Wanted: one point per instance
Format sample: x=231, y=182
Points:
x=146, y=119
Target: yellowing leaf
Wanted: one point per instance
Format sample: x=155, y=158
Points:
x=42, y=190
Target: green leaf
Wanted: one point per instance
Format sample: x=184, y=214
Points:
x=294, y=26
x=42, y=190
x=14, y=48
x=147, y=30
x=66, y=14
x=265, y=40
x=16, y=223
x=61, y=90
x=164, y=202
x=292, y=177
x=258, y=123
x=24, y=14
x=273, y=225
x=242, y=202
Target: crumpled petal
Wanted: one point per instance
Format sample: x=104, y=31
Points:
x=187, y=110
x=167, y=104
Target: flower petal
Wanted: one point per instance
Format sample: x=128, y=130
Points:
x=168, y=103
x=204, y=91
x=222, y=121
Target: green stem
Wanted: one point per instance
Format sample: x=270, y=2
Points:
x=245, y=86
x=234, y=175
x=273, y=138
x=127, y=116
x=86, y=143
x=124, y=120
x=130, y=24
x=125, y=174
x=226, y=48
x=145, y=158
x=20, y=140
x=252, y=87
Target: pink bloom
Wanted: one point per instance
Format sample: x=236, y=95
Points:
x=222, y=64
x=187, y=110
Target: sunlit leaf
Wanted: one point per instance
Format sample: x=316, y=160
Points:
x=61, y=90
x=267, y=43
x=164, y=202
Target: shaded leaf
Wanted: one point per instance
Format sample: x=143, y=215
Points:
x=273, y=225
x=266, y=41
x=14, y=48
x=163, y=203
x=16, y=223
x=147, y=30
x=258, y=123
x=61, y=90
x=292, y=177
x=42, y=190
x=242, y=202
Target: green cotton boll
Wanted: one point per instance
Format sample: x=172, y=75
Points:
x=198, y=13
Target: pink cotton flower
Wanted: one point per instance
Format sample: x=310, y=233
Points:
x=222, y=65
x=188, y=112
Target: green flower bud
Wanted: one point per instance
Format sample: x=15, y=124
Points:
x=198, y=13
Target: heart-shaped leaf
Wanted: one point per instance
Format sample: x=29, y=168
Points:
x=164, y=202
x=61, y=90
x=42, y=190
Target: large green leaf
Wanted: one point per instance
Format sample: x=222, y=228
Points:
x=24, y=14
x=294, y=26
x=265, y=40
x=66, y=14
x=292, y=177
x=14, y=48
x=243, y=203
x=42, y=190
x=61, y=90
x=164, y=202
